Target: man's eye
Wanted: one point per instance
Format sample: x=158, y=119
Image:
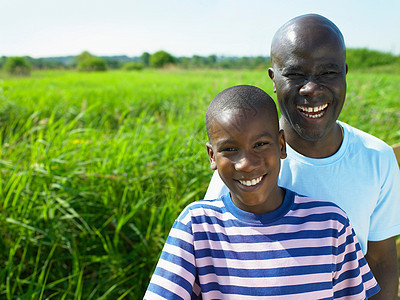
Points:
x=328, y=74
x=295, y=76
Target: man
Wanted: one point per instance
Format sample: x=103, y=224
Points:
x=328, y=159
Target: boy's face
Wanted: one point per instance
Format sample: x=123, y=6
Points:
x=246, y=151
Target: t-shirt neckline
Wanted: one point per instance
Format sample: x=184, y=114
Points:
x=262, y=219
x=326, y=160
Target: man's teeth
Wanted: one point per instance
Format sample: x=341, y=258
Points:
x=251, y=182
x=314, y=110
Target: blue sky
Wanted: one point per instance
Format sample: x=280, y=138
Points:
x=182, y=27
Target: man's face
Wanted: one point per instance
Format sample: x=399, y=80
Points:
x=309, y=78
x=246, y=151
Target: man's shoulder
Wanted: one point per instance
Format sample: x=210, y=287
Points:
x=363, y=139
x=363, y=144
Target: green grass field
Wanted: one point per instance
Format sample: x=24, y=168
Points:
x=95, y=167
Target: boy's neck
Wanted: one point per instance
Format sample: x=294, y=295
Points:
x=272, y=203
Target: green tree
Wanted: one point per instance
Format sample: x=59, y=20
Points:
x=16, y=65
x=2, y=61
x=83, y=56
x=365, y=58
x=92, y=64
x=132, y=66
x=160, y=59
x=88, y=62
x=145, y=59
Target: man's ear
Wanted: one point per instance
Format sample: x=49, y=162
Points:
x=282, y=144
x=211, y=156
x=271, y=75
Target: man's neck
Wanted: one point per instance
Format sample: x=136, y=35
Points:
x=322, y=148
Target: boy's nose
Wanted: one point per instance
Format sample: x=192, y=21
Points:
x=247, y=163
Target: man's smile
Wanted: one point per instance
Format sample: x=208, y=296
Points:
x=313, y=112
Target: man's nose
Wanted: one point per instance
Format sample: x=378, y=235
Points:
x=312, y=89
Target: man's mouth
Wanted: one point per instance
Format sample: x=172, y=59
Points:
x=313, y=112
x=251, y=182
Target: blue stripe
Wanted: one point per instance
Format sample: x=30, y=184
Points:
x=159, y=290
x=267, y=291
x=179, y=261
x=178, y=280
x=180, y=243
x=252, y=239
x=272, y=272
x=347, y=275
x=373, y=291
x=349, y=291
x=291, y=220
x=183, y=227
x=265, y=254
x=347, y=258
x=307, y=205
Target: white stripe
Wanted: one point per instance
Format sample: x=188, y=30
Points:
x=261, y=264
x=182, y=235
x=170, y=286
x=261, y=231
x=262, y=247
x=175, y=250
x=151, y=296
x=301, y=212
x=176, y=269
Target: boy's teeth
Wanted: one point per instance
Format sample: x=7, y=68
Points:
x=251, y=182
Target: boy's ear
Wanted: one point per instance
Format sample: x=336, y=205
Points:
x=282, y=144
x=271, y=75
x=211, y=156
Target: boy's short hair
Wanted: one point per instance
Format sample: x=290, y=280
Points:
x=247, y=99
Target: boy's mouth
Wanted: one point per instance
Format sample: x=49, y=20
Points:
x=251, y=182
x=313, y=112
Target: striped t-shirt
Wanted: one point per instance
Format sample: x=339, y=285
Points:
x=306, y=249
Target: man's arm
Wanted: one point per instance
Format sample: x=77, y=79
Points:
x=382, y=259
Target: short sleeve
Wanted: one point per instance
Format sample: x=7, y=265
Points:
x=175, y=273
x=385, y=221
x=352, y=278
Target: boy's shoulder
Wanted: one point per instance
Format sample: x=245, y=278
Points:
x=202, y=208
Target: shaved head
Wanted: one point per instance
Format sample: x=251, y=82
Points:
x=303, y=30
x=248, y=101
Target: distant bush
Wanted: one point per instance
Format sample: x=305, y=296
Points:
x=92, y=63
x=364, y=58
x=160, y=59
x=16, y=65
x=132, y=66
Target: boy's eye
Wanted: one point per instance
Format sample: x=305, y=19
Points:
x=228, y=149
x=260, y=144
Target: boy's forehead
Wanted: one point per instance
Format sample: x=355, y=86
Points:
x=237, y=119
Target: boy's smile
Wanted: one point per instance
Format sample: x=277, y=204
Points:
x=246, y=150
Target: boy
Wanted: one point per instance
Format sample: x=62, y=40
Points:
x=259, y=241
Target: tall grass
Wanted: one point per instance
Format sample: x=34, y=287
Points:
x=96, y=167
